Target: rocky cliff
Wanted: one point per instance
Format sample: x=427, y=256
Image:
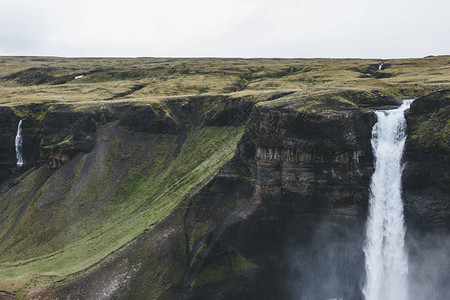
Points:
x=427, y=178
x=208, y=197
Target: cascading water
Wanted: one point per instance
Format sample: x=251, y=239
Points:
x=18, y=143
x=386, y=258
x=380, y=67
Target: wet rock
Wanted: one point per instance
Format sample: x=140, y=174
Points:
x=8, y=128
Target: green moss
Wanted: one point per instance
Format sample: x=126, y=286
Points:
x=83, y=231
x=198, y=230
x=433, y=132
x=213, y=274
x=345, y=101
x=33, y=114
x=161, y=269
x=198, y=255
x=229, y=266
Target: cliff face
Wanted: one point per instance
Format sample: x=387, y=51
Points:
x=302, y=179
x=426, y=181
x=426, y=195
x=204, y=198
x=8, y=128
x=105, y=175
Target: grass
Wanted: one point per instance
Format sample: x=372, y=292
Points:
x=91, y=233
x=229, y=266
x=434, y=131
x=145, y=79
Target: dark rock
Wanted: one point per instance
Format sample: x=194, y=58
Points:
x=66, y=133
x=148, y=119
x=230, y=112
x=104, y=115
x=8, y=129
x=82, y=127
x=426, y=182
x=31, y=134
x=429, y=103
x=60, y=121
x=304, y=206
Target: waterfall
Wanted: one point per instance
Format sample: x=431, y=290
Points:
x=380, y=66
x=386, y=258
x=18, y=143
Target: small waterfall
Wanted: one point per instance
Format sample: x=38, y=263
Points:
x=380, y=66
x=386, y=258
x=18, y=143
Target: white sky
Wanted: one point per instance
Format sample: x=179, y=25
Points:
x=231, y=28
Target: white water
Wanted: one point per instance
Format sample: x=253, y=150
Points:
x=386, y=258
x=18, y=143
x=380, y=67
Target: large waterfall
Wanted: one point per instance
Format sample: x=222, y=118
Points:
x=386, y=258
x=18, y=143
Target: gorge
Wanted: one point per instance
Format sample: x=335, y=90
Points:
x=219, y=178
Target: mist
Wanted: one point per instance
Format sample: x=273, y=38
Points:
x=327, y=264
x=429, y=264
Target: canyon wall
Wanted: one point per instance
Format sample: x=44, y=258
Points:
x=277, y=208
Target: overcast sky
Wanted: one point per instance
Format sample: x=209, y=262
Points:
x=231, y=28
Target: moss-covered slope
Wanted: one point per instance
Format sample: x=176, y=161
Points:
x=60, y=222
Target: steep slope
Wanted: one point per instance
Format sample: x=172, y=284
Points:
x=294, y=168
x=255, y=194
x=87, y=202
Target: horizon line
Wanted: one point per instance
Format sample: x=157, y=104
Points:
x=221, y=57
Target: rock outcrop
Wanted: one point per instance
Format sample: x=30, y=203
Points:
x=148, y=119
x=303, y=179
x=426, y=179
x=8, y=128
x=9, y=120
